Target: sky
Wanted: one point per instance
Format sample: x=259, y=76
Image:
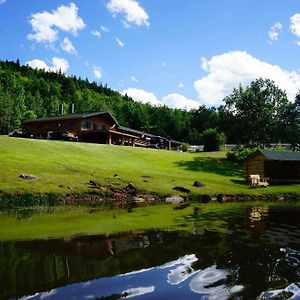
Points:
x=179, y=53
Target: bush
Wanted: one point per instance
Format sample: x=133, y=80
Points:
x=184, y=147
x=213, y=140
x=239, y=154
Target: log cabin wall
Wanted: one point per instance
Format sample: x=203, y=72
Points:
x=255, y=166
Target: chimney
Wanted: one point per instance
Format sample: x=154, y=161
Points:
x=61, y=108
x=72, y=108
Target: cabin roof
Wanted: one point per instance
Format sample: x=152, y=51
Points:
x=278, y=155
x=73, y=116
x=136, y=131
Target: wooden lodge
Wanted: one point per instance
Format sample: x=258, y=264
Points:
x=98, y=127
x=275, y=166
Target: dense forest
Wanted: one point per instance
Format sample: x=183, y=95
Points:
x=259, y=113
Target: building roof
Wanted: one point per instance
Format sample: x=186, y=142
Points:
x=73, y=116
x=280, y=155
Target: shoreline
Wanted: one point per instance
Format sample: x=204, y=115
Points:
x=128, y=197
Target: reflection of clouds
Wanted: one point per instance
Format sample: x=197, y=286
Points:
x=48, y=294
x=210, y=282
x=293, y=289
x=183, y=271
x=187, y=259
x=139, y=291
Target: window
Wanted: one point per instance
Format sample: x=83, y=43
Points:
x=86, y=124
x=95, y=126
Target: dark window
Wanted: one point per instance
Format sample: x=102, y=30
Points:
x=95, y=126
x=86, y=125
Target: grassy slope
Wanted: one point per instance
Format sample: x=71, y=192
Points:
x=60, y=165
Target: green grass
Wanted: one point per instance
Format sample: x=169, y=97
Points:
x=67, y=167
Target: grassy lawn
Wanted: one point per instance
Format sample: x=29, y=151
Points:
x=67, y=167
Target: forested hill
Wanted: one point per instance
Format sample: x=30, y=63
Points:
x=27, y=93
x=257, y=114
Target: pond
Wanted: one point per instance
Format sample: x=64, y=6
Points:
x=251, y=254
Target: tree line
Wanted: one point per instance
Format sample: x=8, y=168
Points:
x=257, y=114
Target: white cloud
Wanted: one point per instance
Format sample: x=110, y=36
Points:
x=37, y=64
x=2, y=1
x=45, y=25
x=295, y=24
x=274, y=32
x=164, y=64
x=58, y=63
x=171, y=100
x=180, y=85
x=97, y=72
x=179, y=101
x=96, y=33
x=104, y=29
x=230, y=69
x=119, y=42
x=133, y=78
x=131, y=11
x=67, y=46
x=142, y=96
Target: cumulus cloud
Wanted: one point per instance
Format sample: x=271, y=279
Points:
x=104, y=29
x=180, y=85
x=46, y=25
x=230, y=69
x=133, y=78
x=58, y=64
x=97, y=72
x=131, y=11
x=274, y=32
x=142, y=96
x=67, y=46
x=172, y=100
x=179, y=101
x=96, y=33
x=119, y=42
x=295, y=24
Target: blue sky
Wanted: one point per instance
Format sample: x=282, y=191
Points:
x=173, y=52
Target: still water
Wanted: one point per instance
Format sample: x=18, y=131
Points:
x=252, y=254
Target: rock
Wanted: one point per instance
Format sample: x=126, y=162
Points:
x=205, y=198
x=198, y=184
x=220, y=198
x=139, y=200
x=174, y=199
x=94, y=184
x=28, y=177
x=181, y=189
x=130, y=186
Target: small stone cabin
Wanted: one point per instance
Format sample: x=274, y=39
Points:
x=277, y=166
x=96, y=127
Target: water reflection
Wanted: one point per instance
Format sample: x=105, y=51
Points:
x=251, y=255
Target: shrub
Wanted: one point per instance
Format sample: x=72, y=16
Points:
x=184, y=147
x=239, y=154
x=213, y=140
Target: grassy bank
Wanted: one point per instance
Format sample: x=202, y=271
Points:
x=67, y=167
